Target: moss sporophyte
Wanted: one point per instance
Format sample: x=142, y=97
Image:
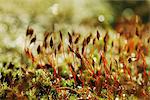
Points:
x=102, y=65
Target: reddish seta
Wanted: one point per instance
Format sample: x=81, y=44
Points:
x=126, y=70
x=105, y=64
x=29, y=54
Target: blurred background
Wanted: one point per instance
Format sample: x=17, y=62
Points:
x=66, y=15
